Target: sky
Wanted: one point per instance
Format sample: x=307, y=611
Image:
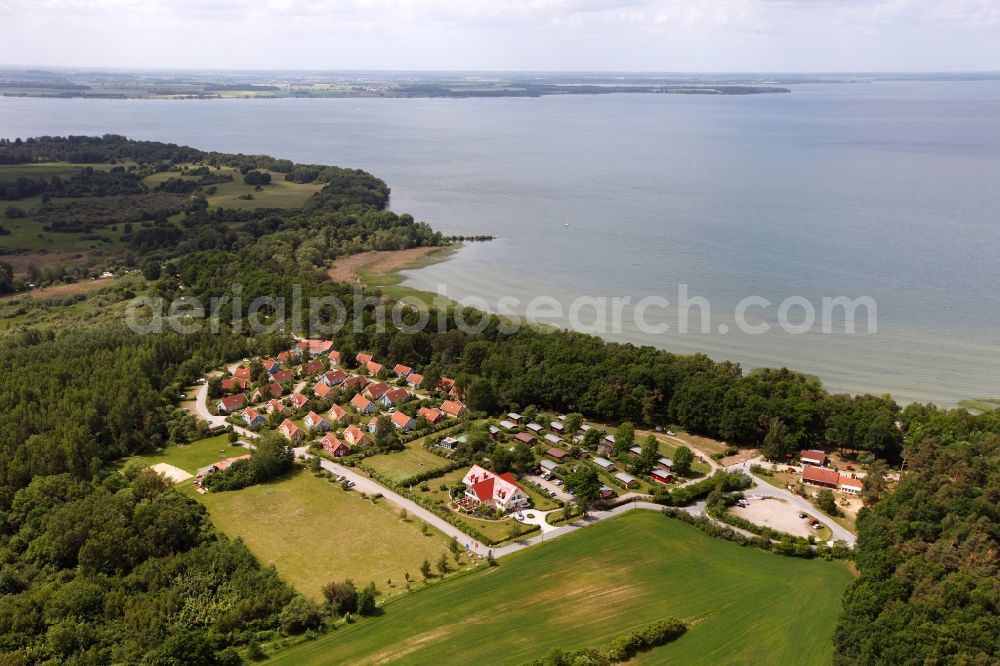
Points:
x=547, y=35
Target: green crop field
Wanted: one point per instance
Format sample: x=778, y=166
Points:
x=746, y=606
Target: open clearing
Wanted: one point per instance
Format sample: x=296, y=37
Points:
x=405, y=464
x=588, y=587
x=175, y=474
x=62, y=290
x=314, y=532
x=777, y=515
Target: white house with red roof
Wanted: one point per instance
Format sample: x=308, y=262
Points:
x=832, y=479
x=298, y=401
x=334, y=377
x=252, y=418
x=230, y=384
x=402, y=370
x=314, y=421
x=363, y=359
x=376, y=390
x=373, y=367
x=283, y=376
x=267, y=392
x=231, y=403
x=403, y=421
x=313, y=367
x=812, y=457
x=394, y=396
x=322, y=389
x=497, y=491
x=275, y=406
x=363, y=404
x=415, y=380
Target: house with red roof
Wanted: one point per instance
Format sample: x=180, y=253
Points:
x=314, y=421
x=832, y=479
x=230, y=384
x=220, y=466
x=430, y=414
x=526, y=438
x=339, y=414
x=497, y=491
x=334, y=446
x=270, y=365
x=813, y=457
x=415, y=380
x=298, y=401
x=356, y=382
x=453, y=408
x=315, y=346
x=333, y=377
x=354, y=436
x=376, y=390
x=267, y=392
x=846, y=484
x=373, y=368
x=322, y=389
x=231, y=403
x=292, y=432
x=402, y=370
x=394, y=397
x=402, y=421
x=363, y=405
x=275, y=406
x=252, y=418
x=363, y=359
x=313, y=367
x=372, y=426
x=283, y=377
x=334, y=357
x=446, y=384
x=243, y=373
x=288, y=356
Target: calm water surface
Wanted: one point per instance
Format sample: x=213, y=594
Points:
x=890, y=191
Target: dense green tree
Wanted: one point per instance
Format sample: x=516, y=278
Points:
x=683, y=459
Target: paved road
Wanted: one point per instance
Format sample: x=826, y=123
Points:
x=201, y=407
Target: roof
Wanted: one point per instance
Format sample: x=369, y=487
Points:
x=534, y=427
x=665, y=461
x=335, y=356
x=298, y=400
x=525, y=437
x=603, y=462
x=514, y=415
x=547, y=464
x=660, y=474
x=289, y=427
x=313, y=366
x=242, y=373
x=415, y=379
x=487, y=485
x=446, y=384
x=338, y=412
x=556, y=425
x=813, y=455
x=373, y=367
x=315, y=346
x=508, y=425
x=377, y=389
x=626, y=478
x=233, y=401
x=335, y=376
x=452, y=407
x=820, y=475
x=851, y=483
x=276, y=405
x=552, y=438
x=363, y=358
x=361, y=402
x=252, y=413
x=400, y=420
x=429, y=413
x=353, y=432
x=330, y=440
x=313, y=417
x=282, y=377
x=396, y=395
x=636, y=450
x=322, y=389
x=402, y=370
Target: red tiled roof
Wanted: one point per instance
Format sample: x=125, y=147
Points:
x=363, y=358
x=242, y=373
x=376, y=389
x=282, y=377
x=452, y=407
x=402, y=370
x=415, y=379
x=321, y=389
x=431, y=414
x=820, y=475
x=525, y=437
x=400, y=420
x=313, y=366
x=373, y=367
x=298, y=400
x=338, y=413
x=233, y=401
x=396, y=395
x=335, y=356
x=360, y=402
x=446, y=384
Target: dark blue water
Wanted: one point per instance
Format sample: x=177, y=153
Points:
x=885, y=190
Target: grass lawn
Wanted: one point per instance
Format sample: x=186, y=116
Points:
x=586, y=588
x=314, y=532
x=194, y=456
x=407, y=463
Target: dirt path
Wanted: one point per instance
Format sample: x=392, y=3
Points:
x=349, y=269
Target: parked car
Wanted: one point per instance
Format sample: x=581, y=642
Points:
x=671, y=433
x=558, y=482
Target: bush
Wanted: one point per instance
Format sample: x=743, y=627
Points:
x=299, y=615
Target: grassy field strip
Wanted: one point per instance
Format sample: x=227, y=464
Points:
x=586, y=588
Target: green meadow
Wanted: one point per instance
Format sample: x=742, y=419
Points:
x=744, y=606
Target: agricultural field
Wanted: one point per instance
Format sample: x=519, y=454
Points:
x=311, y=530
x=745, y=606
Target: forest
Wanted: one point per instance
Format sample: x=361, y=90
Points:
x=100, y=563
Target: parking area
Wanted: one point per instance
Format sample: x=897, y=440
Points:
x=776, y=514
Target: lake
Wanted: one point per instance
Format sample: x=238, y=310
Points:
x=887, y=191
